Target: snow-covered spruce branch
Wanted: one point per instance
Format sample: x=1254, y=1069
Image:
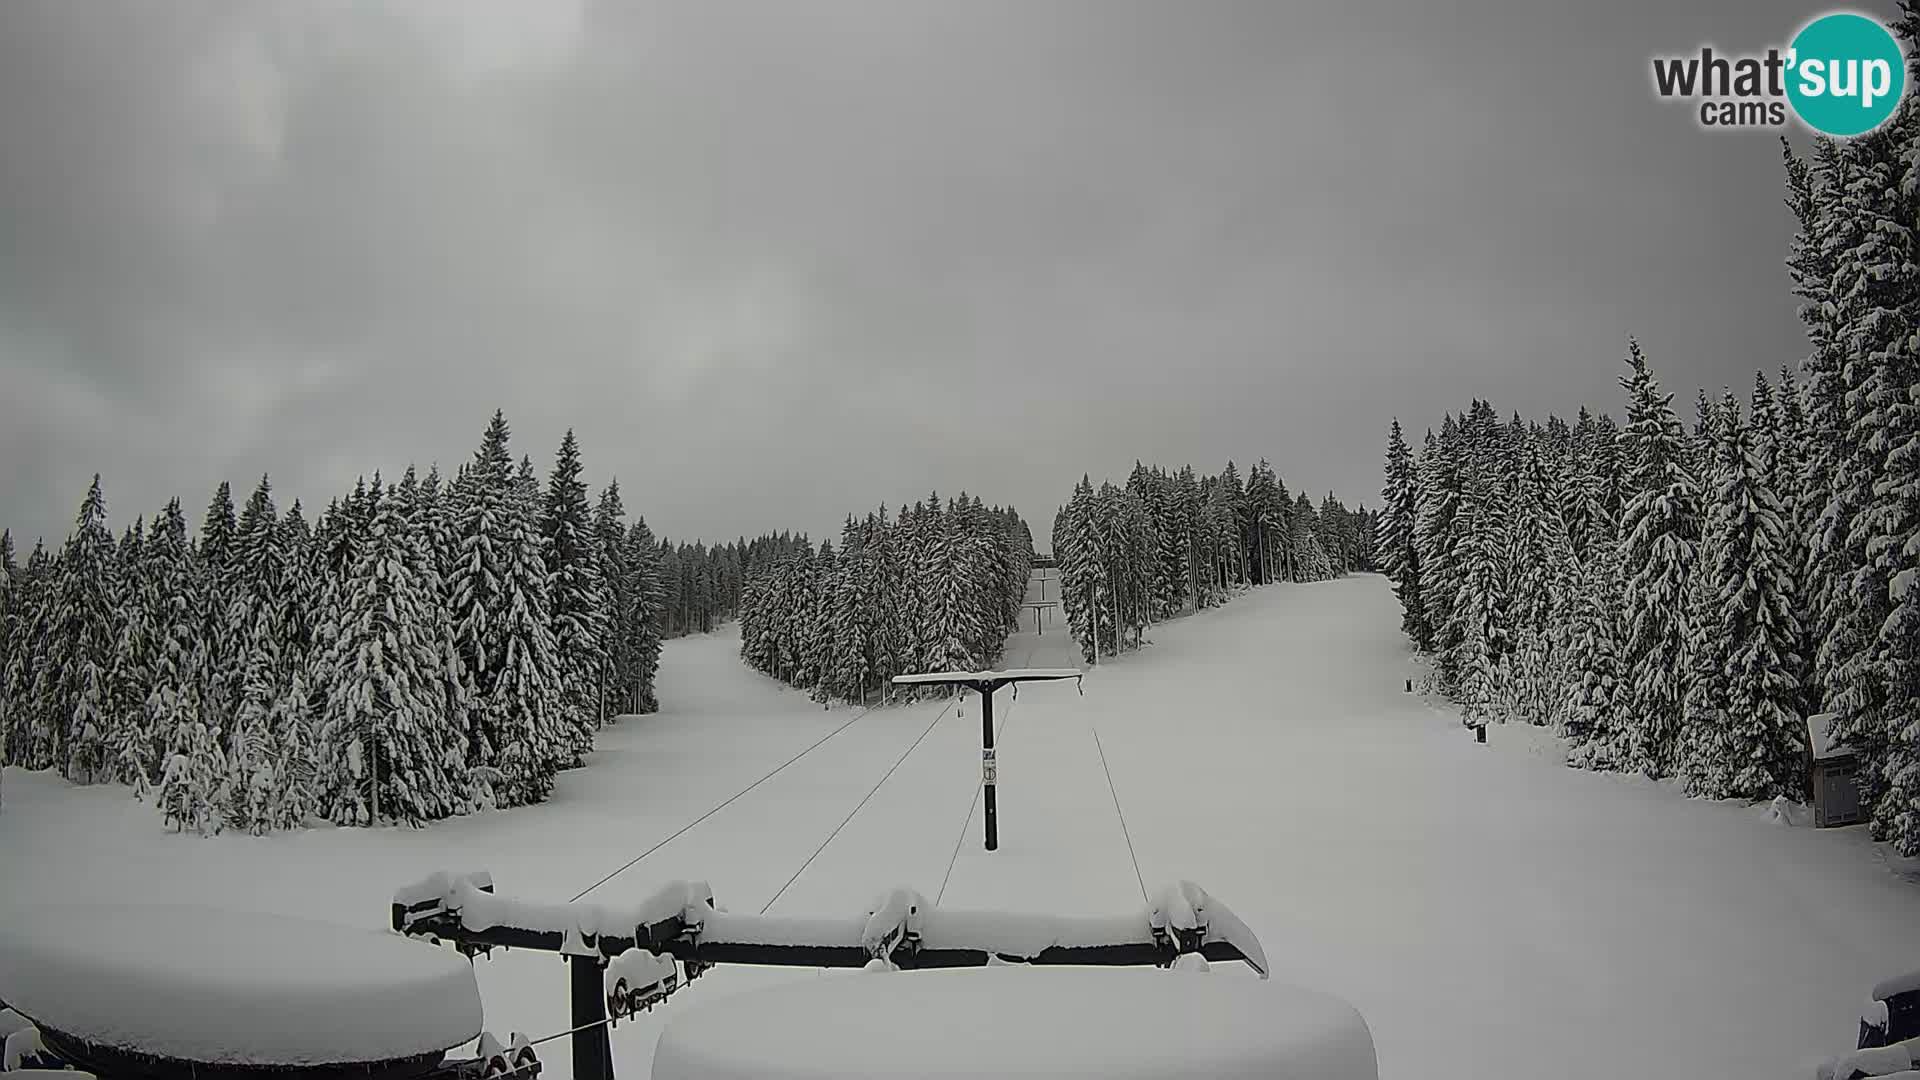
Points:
x=1171, y=542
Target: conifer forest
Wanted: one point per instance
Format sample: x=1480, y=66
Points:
x=1677, y=598
x=938, y=588
x=421, y=648
x=944, y=525
x=1169, y=543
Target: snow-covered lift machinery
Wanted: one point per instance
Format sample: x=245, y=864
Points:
x=159, y=992
x=627, y=959
x=985, y=683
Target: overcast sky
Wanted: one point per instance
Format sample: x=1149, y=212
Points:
x=778, y=261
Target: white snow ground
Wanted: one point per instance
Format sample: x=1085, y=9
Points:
x=1490, y=912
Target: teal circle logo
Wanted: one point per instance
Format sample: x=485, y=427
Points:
x=1846, y=74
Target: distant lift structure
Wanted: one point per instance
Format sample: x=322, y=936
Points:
x=985, y=683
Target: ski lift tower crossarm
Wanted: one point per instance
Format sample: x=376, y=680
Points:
x=985, y=683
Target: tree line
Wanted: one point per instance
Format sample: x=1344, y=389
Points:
x=937, y=589
x=423, y=648
x=703, y=584
x=1170, y=542
x=1678, y=601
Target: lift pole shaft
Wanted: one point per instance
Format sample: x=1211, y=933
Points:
x=988, y=767
x=592, y=1048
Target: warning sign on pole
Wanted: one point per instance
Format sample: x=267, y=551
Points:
x=987, y=766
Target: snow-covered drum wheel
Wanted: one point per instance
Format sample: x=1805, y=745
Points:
x=158, y=991
x=1019, y=1021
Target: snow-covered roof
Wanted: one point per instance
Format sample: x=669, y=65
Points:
x=1018, y=1021
x=1820, y=737
x=1898, y=984
x=1015, y=675
x=235, y=988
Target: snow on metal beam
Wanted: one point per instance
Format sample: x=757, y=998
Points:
x=680, y=921
x=969, y=677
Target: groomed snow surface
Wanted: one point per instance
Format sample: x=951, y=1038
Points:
x=1489, y=912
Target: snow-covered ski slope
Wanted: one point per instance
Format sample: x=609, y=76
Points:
x=1489, y=911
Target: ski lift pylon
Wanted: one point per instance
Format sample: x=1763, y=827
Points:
x=985, y=683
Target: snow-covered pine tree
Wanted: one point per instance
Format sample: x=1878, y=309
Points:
x=1076, y=566
x=1233, y=530
x=130, y=750
x=1756, y=752
x=298, y=584
x=641, y=621
x=331, y=558
x=220, y=656
x=818, y=643
x=1660, y=527
x=756, y=614
x=526, y=695
x=1128, y=544
x=1701, y=446
x=1480, y=700
x=193, y=787
x=610, y=536
x=1286, y=558
x=1539, y=560
x=526, y=487
x=1172, y=578
x=1338, y=533
x=1874, y=304
x=1583, y=496
x=1263, y=517
x=1592, y=638
x=1481, y=608
x=1438, y=502
x=170, y=586
x=1813, y=194
x=1112, y=526
x=1610, y=467
x=1825, y=435
x=1868, y=237
x=1398, y=557
x=887, y=594
x=1187, y=516
x=577, y=598
x=256, y=626
x=79, y=645
x=1302, y=522
x=31, y=720
x=1883, y=301
x=852, y=663
x=387, y=749
x=1705, y=707
x=484, y=530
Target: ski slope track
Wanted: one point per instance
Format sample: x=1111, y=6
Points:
x=1490, y=912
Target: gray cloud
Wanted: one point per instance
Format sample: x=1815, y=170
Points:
x=775, y=262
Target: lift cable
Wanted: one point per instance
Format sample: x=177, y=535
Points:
x=863, y=802
x=684, y=829
x=1120, y=814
